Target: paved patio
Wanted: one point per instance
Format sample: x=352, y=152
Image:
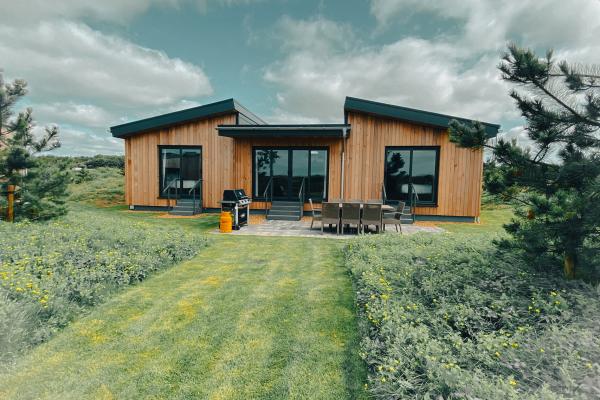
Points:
x=302, y=229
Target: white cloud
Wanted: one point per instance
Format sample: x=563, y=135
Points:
x=107, y=10
x=85, y=80
x=488, y=24
x=314, y=79
x=71, y=60
x=73, y=114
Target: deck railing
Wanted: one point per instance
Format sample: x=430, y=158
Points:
x=192, y=191
x=268, y=195
x=166, y=189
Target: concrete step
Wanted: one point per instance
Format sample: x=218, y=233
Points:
x=181, y=213
x=285, y=213
x=282, y=218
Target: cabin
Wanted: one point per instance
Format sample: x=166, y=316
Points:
x=380, y=151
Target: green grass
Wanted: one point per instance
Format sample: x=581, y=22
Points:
x=248, y=318
x=103, y=186
x=491, y=220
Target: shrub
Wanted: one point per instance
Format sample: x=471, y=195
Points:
x=101, y=186
x=50, y=272
x=450, y=317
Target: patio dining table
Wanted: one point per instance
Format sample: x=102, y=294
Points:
x=384, y=207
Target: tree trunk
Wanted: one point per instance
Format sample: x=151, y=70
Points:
x=570, y=264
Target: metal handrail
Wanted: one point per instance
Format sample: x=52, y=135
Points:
x=169, y=192
x=383, y=193
x=301, y=197
x=269, y=185
x=413, y=201
x=193, y=192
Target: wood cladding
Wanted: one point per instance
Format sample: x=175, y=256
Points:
x=460, y=170
x=141, y=160
x=227, y=162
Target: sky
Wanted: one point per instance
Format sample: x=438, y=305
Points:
x=93, y=64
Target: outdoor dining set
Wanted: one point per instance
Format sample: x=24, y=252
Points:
x=359, y=214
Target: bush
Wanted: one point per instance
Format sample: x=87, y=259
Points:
x=449, y=317
x=50, y=272
x=102, y=187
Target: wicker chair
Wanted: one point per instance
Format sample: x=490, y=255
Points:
x=371, y=215
x=330, y=214
x=394, y=218
x=315, y=216
x=351, y=215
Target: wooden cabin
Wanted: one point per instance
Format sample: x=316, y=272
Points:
x=380, y=151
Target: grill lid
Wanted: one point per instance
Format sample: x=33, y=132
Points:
x=234, y=195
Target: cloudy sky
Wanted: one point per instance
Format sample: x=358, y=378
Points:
x=92, y=64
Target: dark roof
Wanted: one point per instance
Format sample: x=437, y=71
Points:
x=309, y=130
x=178, y=117
x=409, y=114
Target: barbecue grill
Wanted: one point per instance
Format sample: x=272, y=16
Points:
x=237, y=203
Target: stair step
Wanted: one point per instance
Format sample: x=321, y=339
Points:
x=285, y=207
x=286, y=203
x=181, y=213
x=283, y=218
x=285, y=213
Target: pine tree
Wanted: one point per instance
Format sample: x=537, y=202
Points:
x=555, y=183
x=41, y=190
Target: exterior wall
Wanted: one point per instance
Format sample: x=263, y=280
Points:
x=142, y=169
x=460, y=170
x=227, y=162
x=243, y=165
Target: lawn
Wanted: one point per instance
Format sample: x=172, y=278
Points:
x=491, y=220
x=248, y=317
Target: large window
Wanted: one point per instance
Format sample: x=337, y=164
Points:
x=286, y=169
x=409, y=169
x=180, y=169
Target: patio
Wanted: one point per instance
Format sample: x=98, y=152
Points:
x=259, y=226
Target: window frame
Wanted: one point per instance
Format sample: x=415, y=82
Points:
x=258, y=197
x=180, y=147
x=437, y=149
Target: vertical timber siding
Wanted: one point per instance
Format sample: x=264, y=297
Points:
x=227, y=162
x=141, y=160
x=460, y=170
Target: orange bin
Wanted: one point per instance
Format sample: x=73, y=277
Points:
x=225, y=222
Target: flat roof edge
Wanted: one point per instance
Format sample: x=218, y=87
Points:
x=410, y=114
x=223, y=107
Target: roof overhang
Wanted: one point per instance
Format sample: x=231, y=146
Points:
x=277, y=131
x=225, y=107
x=410, y=114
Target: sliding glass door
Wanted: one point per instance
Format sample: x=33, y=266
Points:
x=280, y=173
x=412, y=169
x=180, y=169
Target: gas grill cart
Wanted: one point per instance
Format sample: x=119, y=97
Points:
x=238, y=204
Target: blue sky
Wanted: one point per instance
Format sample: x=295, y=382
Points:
x=94, y=64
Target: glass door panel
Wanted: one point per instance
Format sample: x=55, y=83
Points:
x=262, y=171
x=318, y=175
x=423, y=174
x=280, y=173
x=397, y=174
x=170, y=169
x=191, y=170
x=299, y=172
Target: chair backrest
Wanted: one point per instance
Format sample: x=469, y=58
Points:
x=330, y=210
x=371, y=212
x=351, y=211
x=400, y=206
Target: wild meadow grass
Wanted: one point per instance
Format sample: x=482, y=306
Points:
x=51, y=272
x=448, y=316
